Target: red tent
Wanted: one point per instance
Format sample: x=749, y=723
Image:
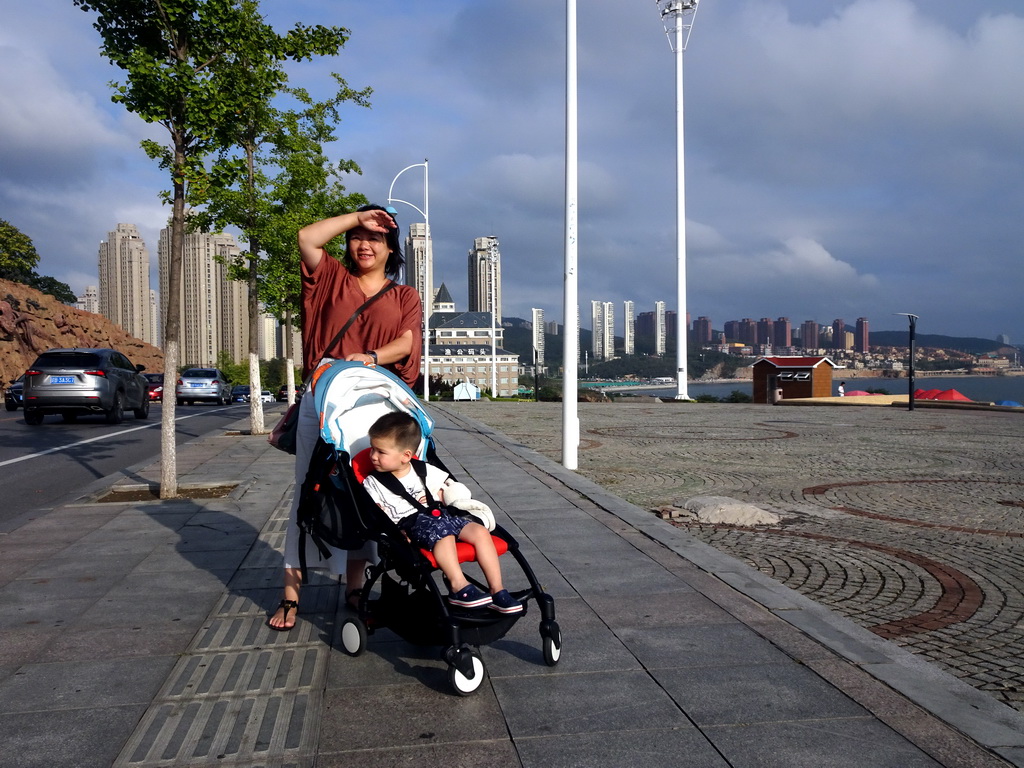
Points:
x=858, y=393
x=952, y=394
x=926, y=394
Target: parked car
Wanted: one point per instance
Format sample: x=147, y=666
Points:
x=266, y=396
x=203, y=384
x=282, y=393
x=155, y=383
x=76, y=381
x=240, y=393
x=14, y=394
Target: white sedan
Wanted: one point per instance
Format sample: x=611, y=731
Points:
x=266, y=397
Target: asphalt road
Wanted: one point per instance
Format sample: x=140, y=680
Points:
x=45, y=465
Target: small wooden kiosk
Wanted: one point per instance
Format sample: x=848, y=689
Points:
x=785, y=378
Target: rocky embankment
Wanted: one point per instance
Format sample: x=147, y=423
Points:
x=32, y=322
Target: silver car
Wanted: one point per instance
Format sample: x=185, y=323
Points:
x=203, y=384
x=76, y=381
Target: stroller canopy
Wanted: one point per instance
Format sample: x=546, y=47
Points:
x=351, y=396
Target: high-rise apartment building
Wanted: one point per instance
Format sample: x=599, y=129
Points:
x=485, y=277
x=124, y=282
x=418, y=265
x=783, y=333
x=660, y=328
x=214, y=308
x=90, y=300
x=765, y=332
x=809, y=336
x=538, y=336
x=702, y=333
x=861, y=339
x=838, y=334
x=602, y=337
x=629, y=328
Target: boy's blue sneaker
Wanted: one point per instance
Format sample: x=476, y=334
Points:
x=504, y=602
x=469, y=596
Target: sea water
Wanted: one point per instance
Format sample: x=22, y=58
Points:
x=986, y=389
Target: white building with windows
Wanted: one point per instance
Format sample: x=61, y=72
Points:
x=660, y=328
x=629, y=328
x=538, y=337
x=460, y=351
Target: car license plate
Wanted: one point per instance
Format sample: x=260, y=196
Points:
x=193, y=384
x=62, y=379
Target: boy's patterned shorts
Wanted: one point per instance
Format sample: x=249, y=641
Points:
x=427, y=529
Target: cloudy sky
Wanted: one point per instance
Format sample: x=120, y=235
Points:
x=844, y=158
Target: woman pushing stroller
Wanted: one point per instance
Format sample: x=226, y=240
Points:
x=351, y=310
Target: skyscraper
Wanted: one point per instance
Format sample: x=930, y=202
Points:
x=90, y=300
x=783, y=335
x=838, y=334
x=538, y=336
x=629, y=328
x=660, y=328
x=213, y=307
x=485, y=277
x=809, y=337
x=861, y=339
x=597, y=336
x=124, y=282
x=702, y=331
x=418, y=260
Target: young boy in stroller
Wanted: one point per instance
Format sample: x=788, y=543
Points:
x=406, y=489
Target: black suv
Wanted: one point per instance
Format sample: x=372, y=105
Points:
x=76, y=381
x=13, y=394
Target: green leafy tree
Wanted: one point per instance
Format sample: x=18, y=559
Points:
x=18, y=258
x=237, y=191
x=306, y=188
x=243, y=196
x=178, y=59
x=18, y=255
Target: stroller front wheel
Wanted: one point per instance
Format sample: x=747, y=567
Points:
x=353, y=636
x=551, y=642
x=468, y=680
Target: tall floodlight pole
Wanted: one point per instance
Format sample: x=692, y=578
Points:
x=428, y=256
x=492, y=278
x=677, y=16
x=910, y=371
x=570, y=310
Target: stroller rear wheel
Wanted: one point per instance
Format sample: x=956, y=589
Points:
x=465, y=670
x=353, y=636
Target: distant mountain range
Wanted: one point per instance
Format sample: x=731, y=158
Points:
x=969, y=344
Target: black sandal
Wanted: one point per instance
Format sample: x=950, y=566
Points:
x=288, y=605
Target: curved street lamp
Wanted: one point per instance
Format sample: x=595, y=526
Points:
x=428, y=255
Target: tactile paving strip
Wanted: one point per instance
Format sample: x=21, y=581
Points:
x=237, y=698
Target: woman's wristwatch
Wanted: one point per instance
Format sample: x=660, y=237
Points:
x=372, y=354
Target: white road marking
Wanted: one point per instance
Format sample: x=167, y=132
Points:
x=106, y=436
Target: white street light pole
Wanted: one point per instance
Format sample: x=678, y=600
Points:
x=428, y=256
x=681, y=14
x=570, y=308
x=492, y=260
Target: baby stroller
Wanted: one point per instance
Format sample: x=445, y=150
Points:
x=335, y=509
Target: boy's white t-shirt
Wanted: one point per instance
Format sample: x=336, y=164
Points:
x=398, y=507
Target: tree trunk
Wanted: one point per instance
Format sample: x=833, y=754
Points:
x=289, y=371
x=256, y=425
x=172, y=333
